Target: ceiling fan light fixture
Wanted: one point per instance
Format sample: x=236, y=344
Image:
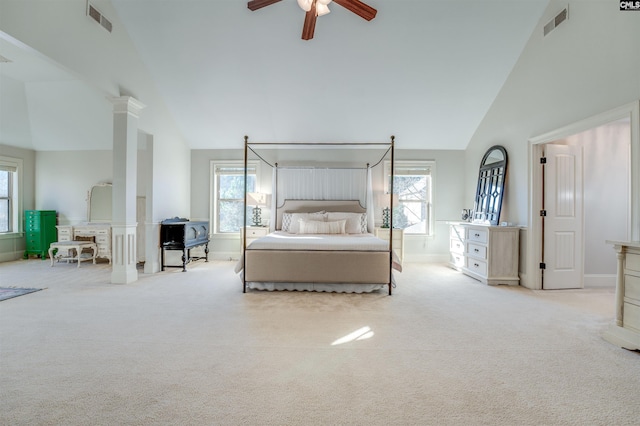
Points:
x=322, y=9
x=305, y=4
x=315, y=8
x=321, y=6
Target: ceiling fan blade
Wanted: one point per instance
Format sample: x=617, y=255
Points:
x=259, y=4
x=309, y=23
x=356, y=6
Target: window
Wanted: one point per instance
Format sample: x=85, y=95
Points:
x=10, y=169
x=413, y=184
x=228, y=194
x=5, y=200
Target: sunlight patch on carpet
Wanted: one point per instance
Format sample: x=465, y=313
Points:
x=360, y=334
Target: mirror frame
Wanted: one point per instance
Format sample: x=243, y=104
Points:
x=490, y=190
x=106, y=216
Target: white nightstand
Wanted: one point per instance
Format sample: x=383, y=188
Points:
x=398, y=239
x=253, y=233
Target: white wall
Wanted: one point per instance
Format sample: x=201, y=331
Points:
x=14, y=117
x=63, y=179
x=448, y=191
x=588, y=65
x=110, y=64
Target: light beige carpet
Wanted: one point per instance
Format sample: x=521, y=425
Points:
x=191, y=349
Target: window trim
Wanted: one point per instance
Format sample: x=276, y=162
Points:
x=16, y=165
x=213, y=193
x=418, y=164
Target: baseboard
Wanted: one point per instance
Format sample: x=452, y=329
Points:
x=426, y=258
x=599, y=280
x=221, y=255
x=11, y=256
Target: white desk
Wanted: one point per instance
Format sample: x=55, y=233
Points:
x=67, y=246
x=625, y=332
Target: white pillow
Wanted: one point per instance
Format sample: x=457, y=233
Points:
x=287, y=219
x=317, y=227
x=356, y=222
x=294, y=227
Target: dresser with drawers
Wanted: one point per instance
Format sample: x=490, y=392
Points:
x=489, y=254
x=98, y=233
x=40, y=232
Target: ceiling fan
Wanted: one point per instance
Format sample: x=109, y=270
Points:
x=315, y=8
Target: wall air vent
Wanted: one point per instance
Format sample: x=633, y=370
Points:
x=95, y=14
x=559, y=18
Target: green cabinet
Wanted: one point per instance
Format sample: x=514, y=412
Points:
x=40, y=230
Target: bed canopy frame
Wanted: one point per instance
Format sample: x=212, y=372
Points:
x=253, y=146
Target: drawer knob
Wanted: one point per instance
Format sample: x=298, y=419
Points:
x=476, y=250
x=476, y=265
x=476, y=234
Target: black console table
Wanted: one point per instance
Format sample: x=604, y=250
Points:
x=182, y=234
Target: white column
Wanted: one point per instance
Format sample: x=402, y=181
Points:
x=152, y=227
x=126, y=111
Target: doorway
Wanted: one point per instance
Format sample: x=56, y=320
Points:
x=586, y=198
x=578, y=256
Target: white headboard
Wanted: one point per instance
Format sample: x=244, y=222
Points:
x=308, y=206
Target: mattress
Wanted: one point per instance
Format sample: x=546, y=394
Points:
x=280, y=240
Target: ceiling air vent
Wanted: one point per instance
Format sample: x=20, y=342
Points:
x=98, y=17
x=559, y=18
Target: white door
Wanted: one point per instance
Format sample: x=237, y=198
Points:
x=563, y=223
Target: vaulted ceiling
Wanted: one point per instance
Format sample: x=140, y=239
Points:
x=426, y=71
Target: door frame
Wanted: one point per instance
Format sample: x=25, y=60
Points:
x=536, y=145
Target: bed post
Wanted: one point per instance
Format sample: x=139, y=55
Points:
x=244, y=220
x=391, y=217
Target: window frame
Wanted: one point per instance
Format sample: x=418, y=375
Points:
x=430, y=166
x=214, y=166
x=15, y=167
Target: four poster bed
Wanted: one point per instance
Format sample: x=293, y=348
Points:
x=318, y=244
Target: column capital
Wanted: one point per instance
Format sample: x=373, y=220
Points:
x=127, y=105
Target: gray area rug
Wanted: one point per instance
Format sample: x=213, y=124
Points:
x=10, y=293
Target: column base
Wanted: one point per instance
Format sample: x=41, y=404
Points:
x=123, y=258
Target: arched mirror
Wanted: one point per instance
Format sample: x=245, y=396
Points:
x=99, y=203
x=490, y=191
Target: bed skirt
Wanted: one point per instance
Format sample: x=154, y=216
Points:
x=318, y=287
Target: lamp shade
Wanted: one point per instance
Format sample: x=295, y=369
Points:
x=256, y=199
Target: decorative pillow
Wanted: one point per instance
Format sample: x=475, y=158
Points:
x=294, y=226
x=364, y=225
x=317, y=227
x=356, y=222
x=288, y=222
